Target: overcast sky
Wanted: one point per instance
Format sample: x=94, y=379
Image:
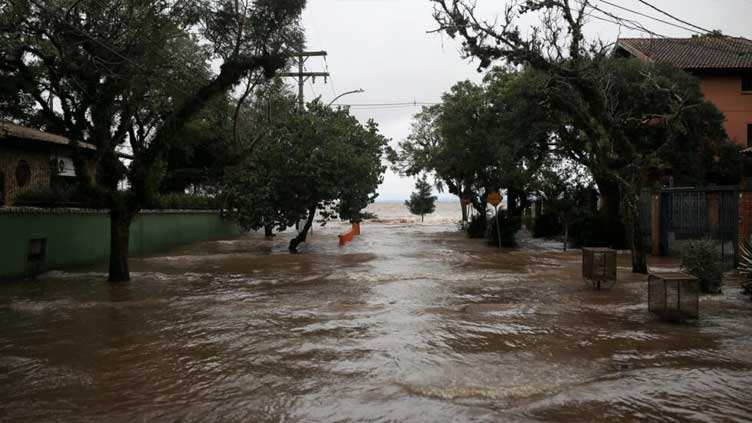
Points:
x=383, y=47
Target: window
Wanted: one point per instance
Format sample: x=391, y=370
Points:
x=747, y=83
x=23, y=174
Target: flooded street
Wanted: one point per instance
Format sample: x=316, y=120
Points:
x=407, y=323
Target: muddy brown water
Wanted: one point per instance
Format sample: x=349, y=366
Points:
x=408, y=323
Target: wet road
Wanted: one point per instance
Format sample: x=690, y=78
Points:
x=408, y=323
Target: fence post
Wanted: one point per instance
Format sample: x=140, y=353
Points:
x=655, y=229
x=713, y=210
x=745, y=210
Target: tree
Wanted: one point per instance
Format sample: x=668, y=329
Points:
x=318, y=161
x=482, y=137
x=133, y=74
x=564, y=189
x=421, y=201
x=618, y=117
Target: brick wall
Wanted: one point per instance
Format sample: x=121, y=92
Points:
x=38, y=161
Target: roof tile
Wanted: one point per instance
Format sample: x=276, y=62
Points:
x=693, y=53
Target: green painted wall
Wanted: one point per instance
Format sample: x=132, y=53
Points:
x=79, y=238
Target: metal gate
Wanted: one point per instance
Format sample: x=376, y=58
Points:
x=689, y=213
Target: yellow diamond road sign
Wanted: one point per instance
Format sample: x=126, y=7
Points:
x=494, y=198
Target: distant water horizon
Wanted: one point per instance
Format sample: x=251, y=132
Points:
x=395, y=212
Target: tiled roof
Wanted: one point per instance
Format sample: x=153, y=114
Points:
x=692, y=53
x=11, y=130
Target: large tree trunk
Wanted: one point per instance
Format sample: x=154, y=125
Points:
x=464, y=211
x=613, y=230
x=120, y=224
x=268, y=231
x=636, y=243
x=301, y=238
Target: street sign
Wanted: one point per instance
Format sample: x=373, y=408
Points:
x=494, y=198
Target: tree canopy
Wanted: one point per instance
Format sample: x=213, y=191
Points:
x=320, y=160
x=480, y=138
x=422, y=202
x=131, y=74
x=619, y=117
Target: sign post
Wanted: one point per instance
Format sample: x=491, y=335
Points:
x=465, y=200
x=495, y=199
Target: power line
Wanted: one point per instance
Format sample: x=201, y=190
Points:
x=638, y=26
x=321, y=44
x=650, y=17
x=331, y=80
x=673, y=17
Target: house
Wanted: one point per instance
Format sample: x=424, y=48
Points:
x=32, y=160
x=723, y=65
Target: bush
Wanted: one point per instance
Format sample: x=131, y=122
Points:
x=180, y=201
x=547, y=225
x=747, y=286
x=54, y=198
x=702, y=259
x=745, y=266
x=584, y=230
x=477, y=228
x=508, y=228
x=528, y=221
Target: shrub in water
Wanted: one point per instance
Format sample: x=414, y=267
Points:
x=508, y=228
x=702, y=259
x=547, y=225
x=476, y=228
x=745, y=266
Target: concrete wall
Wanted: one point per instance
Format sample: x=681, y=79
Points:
x=79, y=237
x=725, y=91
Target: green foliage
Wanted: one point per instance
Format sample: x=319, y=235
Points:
x=528, y=221
x=548, y=225
x=421, y=201
x=180, y=201
x=323, y=159
x=508, y=227
x=482, y=137
x=476, y=228
x=745, y=266
x=135, y=73
x=622, y=118
x=55, y=198
x=702, y=259
x=75, y=198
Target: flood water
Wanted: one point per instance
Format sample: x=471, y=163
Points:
x=410, y=323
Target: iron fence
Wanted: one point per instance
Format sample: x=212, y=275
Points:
x=692, y=213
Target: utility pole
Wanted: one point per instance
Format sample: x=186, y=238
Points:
x=303, y=76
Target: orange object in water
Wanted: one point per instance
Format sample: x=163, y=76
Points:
x=348, y=236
